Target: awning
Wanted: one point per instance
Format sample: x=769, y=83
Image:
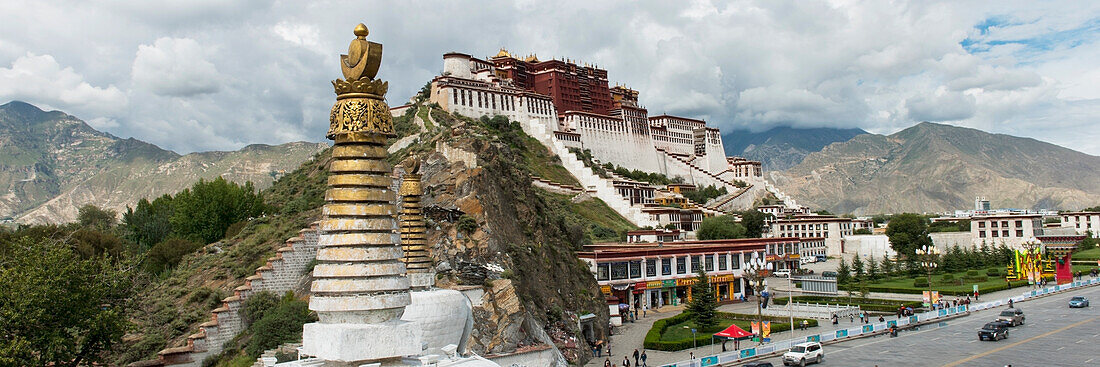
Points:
x=733, y=332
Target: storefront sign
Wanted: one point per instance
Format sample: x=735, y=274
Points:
x=606, y=289
x=669, y=283
x=722, y=278
x=654, y=284
x=685, y=282
x=640, y=286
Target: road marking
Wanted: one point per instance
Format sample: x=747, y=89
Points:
x=884, y=352
x=1060, y=348
x=936, y=338
x=976, y=356
x=1090, y=360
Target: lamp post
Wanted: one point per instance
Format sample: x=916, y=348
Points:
x=693, y=346
x=755, y=270
x=928, y=254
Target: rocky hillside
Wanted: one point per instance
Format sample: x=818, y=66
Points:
x=933, y=167
x=51, y=163
x=488, y=226
x=780, y=148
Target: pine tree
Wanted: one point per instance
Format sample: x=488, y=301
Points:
x=872, y=269
x=843, y=272
x=887, y=266
x=857, y=268
x=703, y=306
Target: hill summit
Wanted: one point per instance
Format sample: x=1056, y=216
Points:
x=933, y=167
x=52, y=163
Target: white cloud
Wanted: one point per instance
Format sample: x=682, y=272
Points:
x=40, y=79
x=174, y=67
x=942, y=105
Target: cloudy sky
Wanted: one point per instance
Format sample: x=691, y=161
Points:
x=193, y=75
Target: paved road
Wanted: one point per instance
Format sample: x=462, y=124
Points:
x=1054, y=335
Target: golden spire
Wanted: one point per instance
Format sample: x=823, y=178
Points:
x=360, y=99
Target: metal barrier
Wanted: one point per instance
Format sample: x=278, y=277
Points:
x=747, y=353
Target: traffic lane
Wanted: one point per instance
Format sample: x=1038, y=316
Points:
x=957, y=339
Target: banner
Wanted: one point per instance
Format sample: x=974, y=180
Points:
x=767, y=329
x=935, y=296
x=841, y=333
x=868, y=328
x=926, y=298
x=813, y=338
x=746, y=353
x=709, y=361
x=755, y=328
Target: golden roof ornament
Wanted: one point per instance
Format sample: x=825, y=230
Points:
x=360, y=99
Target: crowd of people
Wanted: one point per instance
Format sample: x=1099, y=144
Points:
x=639, y=359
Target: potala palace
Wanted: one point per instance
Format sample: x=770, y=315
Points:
x=571, y=108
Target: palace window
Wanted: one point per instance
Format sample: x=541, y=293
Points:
x=1019, y=223
x=681, y=265
x=695, y=260
x=636, y=269
x=651, y=267
x=723, y=262
x=620, y=270
x=666, y=266
x=1019, y=233
x=736, y=261
x=710, y=263
x=1004, y=233
x=603, y=271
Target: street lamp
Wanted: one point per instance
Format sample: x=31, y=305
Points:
x=755, y=270
x=928, y=256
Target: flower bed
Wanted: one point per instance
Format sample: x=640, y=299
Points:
x=668, y=334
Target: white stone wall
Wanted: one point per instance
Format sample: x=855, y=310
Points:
x=946, y=240
x=279, y=275
x=610, y=140
x=867, y=245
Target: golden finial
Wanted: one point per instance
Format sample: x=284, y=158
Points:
x=360, y=98
x=361, y=31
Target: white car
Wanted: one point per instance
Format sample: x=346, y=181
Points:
x=782, y=273
x=801, y=354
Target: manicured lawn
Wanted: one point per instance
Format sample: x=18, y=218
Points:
x=678, y=332
x=904, y=284
x=1093, y=254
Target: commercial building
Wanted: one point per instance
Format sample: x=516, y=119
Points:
x=832, y=229
x=662, y=273
x=1081, y=222
x=1012, y=230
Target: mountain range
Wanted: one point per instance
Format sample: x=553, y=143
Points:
x=52, y=163
x=783, y=147
x=934, y=168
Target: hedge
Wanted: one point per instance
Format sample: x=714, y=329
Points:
x=653, y=337
x=988, y=289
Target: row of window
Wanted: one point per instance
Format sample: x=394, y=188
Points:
x=1002, y=233
x=624, y=270
x=1003, y=224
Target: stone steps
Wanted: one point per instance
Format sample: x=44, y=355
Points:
x=280, y=274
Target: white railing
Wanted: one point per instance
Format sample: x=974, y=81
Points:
x=747, y=353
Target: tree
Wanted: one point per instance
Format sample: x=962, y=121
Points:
x=887, y=266
x=203, y=212
x=754, y=222
x=907, y=233
x=843, y=272
x=166, y=255
x=59, y=309
x=872, y=268
x=862, y=231
x=91, y=216
x=719, y=228
x=703, y=305
x=1087, y=243
x=148, y=223
x=857, y=268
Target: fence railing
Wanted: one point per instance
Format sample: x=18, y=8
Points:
x=734, y=356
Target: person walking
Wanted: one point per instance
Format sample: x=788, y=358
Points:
x=626, y=361
x=636, y=355
x=1010, y=304
x=644, y=358
x=692, y=355
x=645, y=309
x=607, y=362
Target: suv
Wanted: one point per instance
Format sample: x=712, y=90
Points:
x=993, y=331
x=1078, y=301
x=829, y=274
x=804, y=353
x=1012, y=316
x=782, y=273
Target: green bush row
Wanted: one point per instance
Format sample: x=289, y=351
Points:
x=653, y=337
x=987, y=289
x=876, y=305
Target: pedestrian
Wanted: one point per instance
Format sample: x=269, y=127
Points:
x=644, y=358
x=692, y=355
x=881, y=319
x=636, y=355
x=835, y=320
x=609, y=349
x=1010, y=303
x=645, y=309
x=852, y=318
x=626, y=361
x=607, y=362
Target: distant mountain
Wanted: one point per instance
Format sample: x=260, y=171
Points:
x=933, y=167
x=783, y=147
x=51, y=163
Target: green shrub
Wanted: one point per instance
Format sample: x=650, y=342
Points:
x=466, y=224
x=166, y=255
x=920, y=282
x=993, y=272
x=281, y=324
x=972, y=273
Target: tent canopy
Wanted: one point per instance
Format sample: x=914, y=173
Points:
x=733, y=332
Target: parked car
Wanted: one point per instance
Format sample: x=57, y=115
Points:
x=994, y=331
x=757, y=364
x=1012, y=316
x=804, y=353
x=782, y=273
x=828, y=274
x=821, y=258
x=1078, y=302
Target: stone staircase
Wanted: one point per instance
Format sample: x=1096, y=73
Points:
x=709, y=176
x=280, y=274
x=593, y=183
